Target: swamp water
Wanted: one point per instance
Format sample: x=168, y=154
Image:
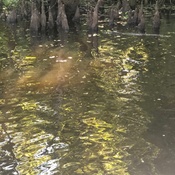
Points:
x=102, y=105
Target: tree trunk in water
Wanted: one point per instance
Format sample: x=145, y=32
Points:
x=35, y=21
x=132, y=4
x=70, y=7
x=95, y=17
x=43, y=17
x=62, y=21
x=50, y=20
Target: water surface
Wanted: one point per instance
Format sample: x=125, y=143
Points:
x=77, y=104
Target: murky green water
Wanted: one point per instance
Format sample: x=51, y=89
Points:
x=87, y=105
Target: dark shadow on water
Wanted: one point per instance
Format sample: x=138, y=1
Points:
x=161, y=133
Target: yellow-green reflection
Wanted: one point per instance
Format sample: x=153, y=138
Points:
x=63, y=113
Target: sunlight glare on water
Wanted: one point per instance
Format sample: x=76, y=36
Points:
x=105, y=106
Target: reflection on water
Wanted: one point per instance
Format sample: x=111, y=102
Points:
x=93, y=105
